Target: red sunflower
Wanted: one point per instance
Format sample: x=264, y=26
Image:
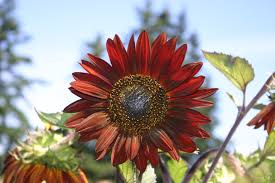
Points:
x=16, y=171
x=265, y=117
x=141, y=103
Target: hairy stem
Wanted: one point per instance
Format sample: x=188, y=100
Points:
x=192, y=170
x=242, y=113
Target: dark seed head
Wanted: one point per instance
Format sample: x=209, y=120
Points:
x=137, y=103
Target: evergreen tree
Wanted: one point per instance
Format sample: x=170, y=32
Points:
x=13, y=121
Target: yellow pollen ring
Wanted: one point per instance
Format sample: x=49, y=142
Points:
x=137, y=103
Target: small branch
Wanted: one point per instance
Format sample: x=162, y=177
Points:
x=257, y=164
x=164, y=172
x=192, y=170
x=239, y=118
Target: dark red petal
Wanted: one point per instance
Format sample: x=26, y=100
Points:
x=115, y=58
x=264, y=112
x=141, y=161
x=157, y=43
x=89, y=89
x=189, y=103
x=104, y=66
x=188, y=115
x=95, y=71
x=187, y=128
x=122, y=53
x=93, y=122
x=177, y=58
x=161, y=140
x=119, y=155
x=101, y=154
x=106, y=138
x=76, y=119
x=187, y=88
x=87, y=97
x=162, y=60
x=182, y=75
x=143, y=50
x=204, y=93
x=184, y=143
x=131, y=51
x=174, y=154
x=93, y=80
x=151, y=152
x=90, y=135
x=83, y=104
x=132, y=145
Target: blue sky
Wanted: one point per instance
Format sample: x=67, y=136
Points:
x=60, y=29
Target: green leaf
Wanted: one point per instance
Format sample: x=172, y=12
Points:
x=269, y=147
x=259, y=106
x=177, y=169
x=233, y=100
x=128, y=171
x=57, y=119
x=236, y=69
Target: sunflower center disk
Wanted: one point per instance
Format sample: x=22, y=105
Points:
x=137, y=104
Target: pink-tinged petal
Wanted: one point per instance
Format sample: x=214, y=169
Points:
x=178, y=58
x=131, y=51
x=106, y=138
x=119, y=155
x=95, y=71
x=187, y=88
x=161, y=140
x=89, y=89
x=116, y=60
x=143, y=51
x=132, y=146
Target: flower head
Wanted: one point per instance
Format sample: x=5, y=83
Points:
x=142, y=102
x=35, y=161
x=265, y=117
